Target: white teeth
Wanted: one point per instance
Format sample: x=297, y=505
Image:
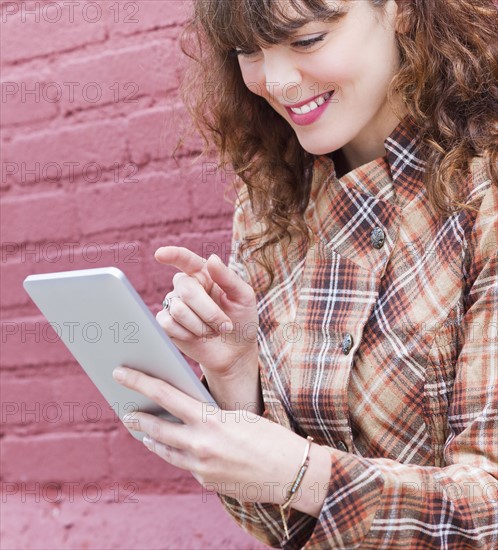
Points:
x=312, y=105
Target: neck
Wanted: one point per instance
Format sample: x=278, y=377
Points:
x=367, y=147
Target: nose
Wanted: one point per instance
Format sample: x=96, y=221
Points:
x=283, y=77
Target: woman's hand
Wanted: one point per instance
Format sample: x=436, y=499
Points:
x=236, y=453
x=206, y=295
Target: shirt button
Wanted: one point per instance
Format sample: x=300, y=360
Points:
x=347, y=343
x=378, y=237
x=341, y=446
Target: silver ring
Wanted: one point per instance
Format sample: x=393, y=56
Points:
x=167, y=303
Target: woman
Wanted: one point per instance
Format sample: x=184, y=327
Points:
x=352, y=344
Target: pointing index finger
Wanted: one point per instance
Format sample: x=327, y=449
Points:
x=185, y=260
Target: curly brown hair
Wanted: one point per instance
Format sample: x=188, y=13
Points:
x=447, y=80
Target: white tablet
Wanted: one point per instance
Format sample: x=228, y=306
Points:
x=103, y=321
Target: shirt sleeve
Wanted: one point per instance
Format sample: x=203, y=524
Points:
x=381, y=503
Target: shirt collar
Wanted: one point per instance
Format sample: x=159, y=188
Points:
x=404, y=156
x=396, y=177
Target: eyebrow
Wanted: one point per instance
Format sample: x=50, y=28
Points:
x=329, y=16
x=268, y=31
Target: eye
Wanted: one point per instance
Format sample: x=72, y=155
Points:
x=239, y=52
x=304, y=44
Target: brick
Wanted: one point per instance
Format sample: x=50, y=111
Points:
x=192, y=144
x=61, y=457
x=68, y=153
x=127, y=256
x=154, y=199
x=27, y=401
x=209, y=186
x=119, y=76
x=31, y=341
x=142, y=521
x=12, y=292
x=205, y=244
x=88, y=406
x=38, y=217
x=151, y=134
x=28, y=97
x=131, y=460
x=50, y=29
x=48, y=404
x=147, y=15
x=21, y=259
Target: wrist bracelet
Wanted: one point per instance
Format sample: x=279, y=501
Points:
x=296, y=484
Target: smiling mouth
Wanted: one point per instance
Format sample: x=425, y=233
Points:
x=312, y=105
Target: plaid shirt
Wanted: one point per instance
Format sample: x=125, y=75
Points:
x=380, y=341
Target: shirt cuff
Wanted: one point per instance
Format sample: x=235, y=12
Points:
x=353, y=496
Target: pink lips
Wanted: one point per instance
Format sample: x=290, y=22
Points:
x=308, y=118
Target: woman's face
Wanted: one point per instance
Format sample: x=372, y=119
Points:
x=336, y=73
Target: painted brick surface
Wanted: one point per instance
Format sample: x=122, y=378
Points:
x=36, y=29
x=90, y=118
x=120, y=519
x=22, y=92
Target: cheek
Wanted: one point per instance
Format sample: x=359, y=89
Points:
x=340, y=64
x=253, y=77
x=355, y=66
x=362, y=53
x=333, y=72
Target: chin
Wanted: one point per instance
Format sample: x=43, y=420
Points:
x=319, y=150
x=319, y=147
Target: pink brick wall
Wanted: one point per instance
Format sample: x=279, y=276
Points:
x=90, y=116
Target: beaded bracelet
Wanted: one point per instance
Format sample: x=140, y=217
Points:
x=296, y=484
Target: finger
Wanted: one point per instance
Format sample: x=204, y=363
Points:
x=185, y=260
x=181, y=322
x=162, y=438
x=173, y=326
x=173, y=400
x=170, y=454
x=157, y=428
x=192, y=296
x=173, y=329
x=234, y=287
